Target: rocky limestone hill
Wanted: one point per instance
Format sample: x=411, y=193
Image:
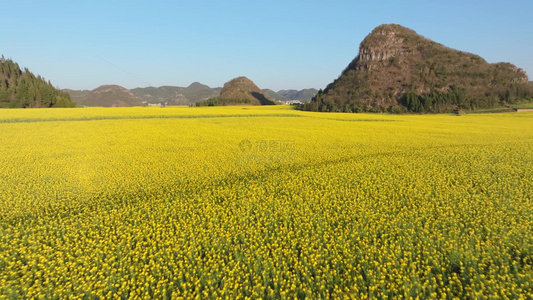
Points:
x=106, y=96
x=240, y=90
x=397, y=70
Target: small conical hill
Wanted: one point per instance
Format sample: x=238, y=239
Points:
x=240, y=90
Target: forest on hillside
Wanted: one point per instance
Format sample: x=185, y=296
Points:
x=21, y=89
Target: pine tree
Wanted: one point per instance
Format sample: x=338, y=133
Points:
x=23, y=89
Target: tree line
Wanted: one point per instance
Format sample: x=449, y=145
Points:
x=434, y=101
x=217, y=101
x=21, y=89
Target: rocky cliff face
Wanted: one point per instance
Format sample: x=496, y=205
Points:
x=394, y=61
x=382, y=45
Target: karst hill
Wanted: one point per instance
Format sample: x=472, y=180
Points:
x=239, y=91
x=398, y=70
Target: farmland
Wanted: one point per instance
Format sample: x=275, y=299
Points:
x=264, y=202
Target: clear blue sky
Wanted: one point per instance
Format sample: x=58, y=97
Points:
x=278, y=44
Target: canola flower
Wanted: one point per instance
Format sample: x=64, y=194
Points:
x=264, y=202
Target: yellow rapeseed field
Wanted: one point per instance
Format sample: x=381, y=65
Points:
x=264, y=202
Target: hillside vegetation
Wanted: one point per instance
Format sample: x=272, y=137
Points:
x=21, y=89
x=398, y=70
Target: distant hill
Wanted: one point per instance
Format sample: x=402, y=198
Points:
x=174, y=95
x=274, y=95
x=196, y=92
x=22, y=89
x=302, y=95
x=398, y=70
x=76, y=95
x=240, y=90
x=287, y=95
x=169, y=95
x=106, y=96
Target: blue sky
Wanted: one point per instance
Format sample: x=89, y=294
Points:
x=277, y=44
